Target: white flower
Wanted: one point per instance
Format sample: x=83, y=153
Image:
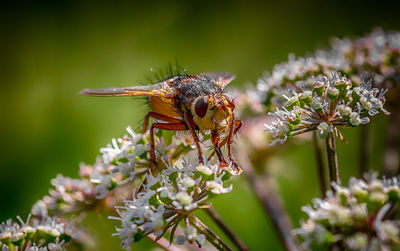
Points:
x=341, y=216
x=324, y=129
x=358, y=241
x=388, y=231
x=355, y=119
x=188, y=182
x=204, y=169
x=216, y=187
x=344, y=110
x=184, y=198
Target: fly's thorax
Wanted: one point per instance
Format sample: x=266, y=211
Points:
x=212, y=112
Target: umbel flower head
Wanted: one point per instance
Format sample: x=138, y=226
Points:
x=35, y=234
x=121, y=163
x=323, y=106
x=169, y=198
x=362, y=216
x=376, y=56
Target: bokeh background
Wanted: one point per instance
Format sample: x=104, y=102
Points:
x=51, y=50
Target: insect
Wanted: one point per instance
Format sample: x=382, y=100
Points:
x=188, y=103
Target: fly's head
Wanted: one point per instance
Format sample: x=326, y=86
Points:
x=213, y=112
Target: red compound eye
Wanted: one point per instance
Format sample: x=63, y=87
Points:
x=201, y=107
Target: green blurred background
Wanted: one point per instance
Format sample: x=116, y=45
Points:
x=51, y=50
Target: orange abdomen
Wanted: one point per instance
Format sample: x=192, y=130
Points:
x=164, y=106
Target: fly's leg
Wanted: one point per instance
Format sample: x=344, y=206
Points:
x=159, y=117
x=215, y=142
x=165, y=126
x=192, y=125
x=232, y=130
x=238, y=124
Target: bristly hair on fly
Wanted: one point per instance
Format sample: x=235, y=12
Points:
x=167, y=72
x=160, y=75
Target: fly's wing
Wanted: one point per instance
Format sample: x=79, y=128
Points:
x=161, y=89
x=221, y=79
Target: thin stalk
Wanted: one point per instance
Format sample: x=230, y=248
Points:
x=332, y=158
x=320, y=163
x=211, y=237
x=225, y=228
x=164, y=243
x=270, y=202
x=365, y=148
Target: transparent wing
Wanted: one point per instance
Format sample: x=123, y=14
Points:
x=160, y=90
x=220, y=78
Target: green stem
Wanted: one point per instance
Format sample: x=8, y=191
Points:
x=211, y=237
x=332, y=158
x=320, y=163
x=225, y=228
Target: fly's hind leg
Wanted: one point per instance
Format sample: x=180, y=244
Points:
x=180, y=126
x=159, y=117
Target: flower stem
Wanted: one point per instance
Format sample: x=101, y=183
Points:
x=164, y=244
x=225, y=228
x=320, y=163
x=270, y=202
x=332, y=158
x=214, y=239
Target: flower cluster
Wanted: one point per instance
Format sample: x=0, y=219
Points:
x=167, y=199
x=161, y=200
x=375, y=56
x=324, y=105
x=120, y=163
x=69, y=196
x=361, y=216
x=35, y=234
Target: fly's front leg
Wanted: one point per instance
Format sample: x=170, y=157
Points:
x=238, y=125
x=232, y=131
x=215, y=142
x=166, y=126
x=191, y=125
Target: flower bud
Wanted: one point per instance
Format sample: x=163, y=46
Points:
x=344, y=111
x=204, y=170
x=333, y=93
x=342, y=85
x=319, y=88
x=394, y=193
x=188, y=182
x=354, y=119
x=305, y=98
x=376, y=200
x=360, y=194
x=365, y=104
x=184, y=198
x=343, y=196
x=292, y=102
x=317, y=105
x=358, y=241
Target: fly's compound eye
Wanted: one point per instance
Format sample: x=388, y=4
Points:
x=201, y=107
